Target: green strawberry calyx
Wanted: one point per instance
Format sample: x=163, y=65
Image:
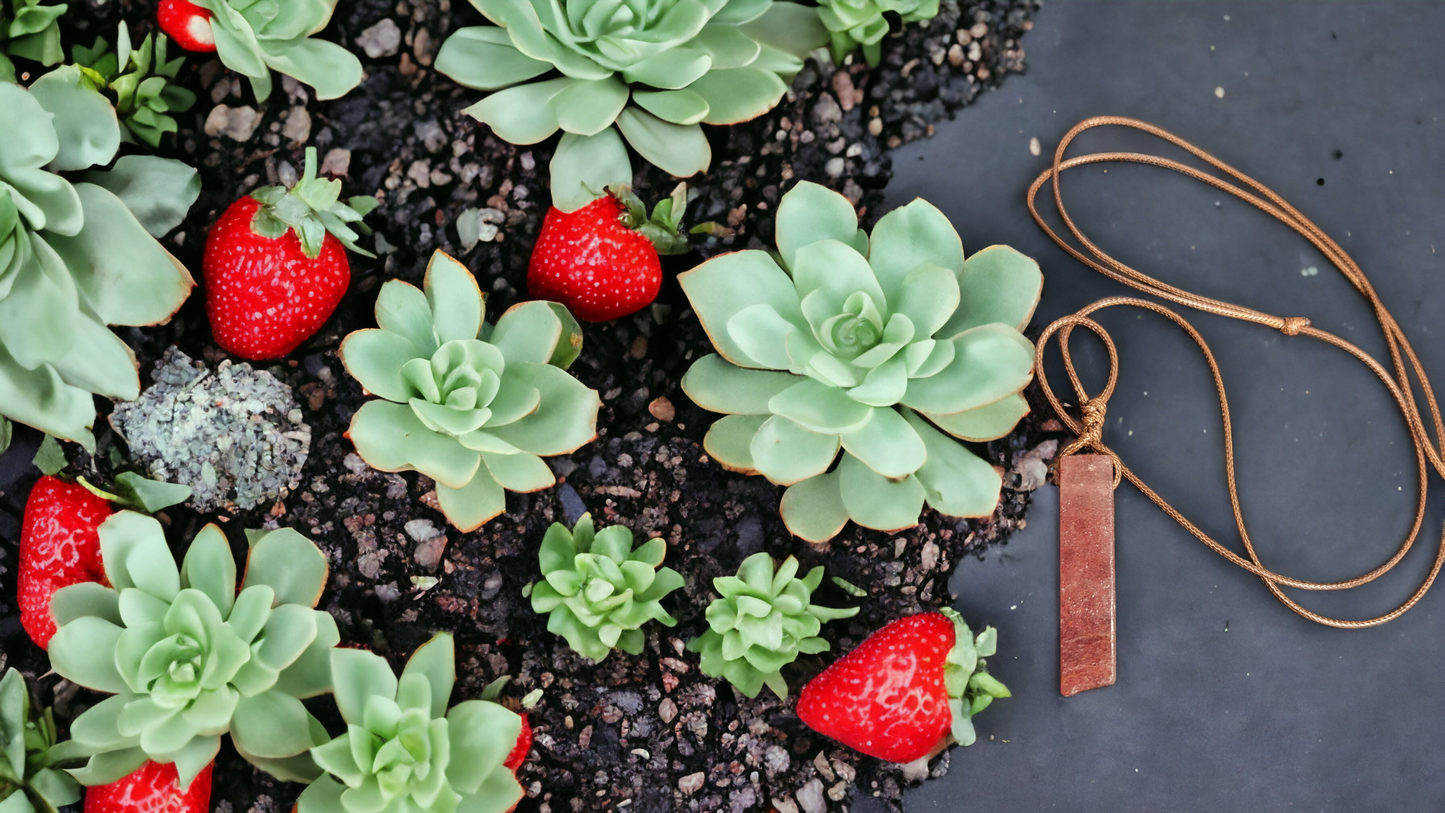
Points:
x=662, y=226
x=970, y=687
x=312, y=208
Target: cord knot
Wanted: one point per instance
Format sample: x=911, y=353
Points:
x=1293, y=325
x=1092, y=414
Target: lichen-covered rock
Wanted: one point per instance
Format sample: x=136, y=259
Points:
x=234, y=435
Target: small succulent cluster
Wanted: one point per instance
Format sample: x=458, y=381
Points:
x=253, y=38
x=889, y=349
x=656, y=69
x=762, y=622
x=28, y=782
x=78, y=252
x=142, y=80
x=599, y=591
x=187, y=658
x=403, y=750
x=854, y=23
x=473, y=406
x=28, y=31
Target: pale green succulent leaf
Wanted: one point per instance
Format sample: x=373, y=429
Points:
x=566, y=418
x=402, y=308
x=157, y=191
x=874, y=501
x=729, y=283
x=210, y=568
x=929, y=296
x=991, y=362
x=679, y=150
x=673, y=69
x=729, y=441
x=291, y=565
x=271, y=725
x=435, y=662
x=83, y=599
x=484, y=58
x=789, y=27
x=821, y=408
x=134, y=551
x=374, y=357
x=310, y=674
x=84, y=120
x=110, y=766
x=736, y=95
x=358, y=676
x=998, y=284
x=583, y=167
x=482, y=735
x=809, y=214
x=522, y=114
x=474, y=504
x=589, y=107
x=40, y=398
x=682, y=107
x=322, y=796
x=838, y=272
x=327, y=67
x=728, y=46
x=192, y=759
x=761, y=334
x=717, y=385
x=910, y=236
x=83, y=652
x=390, y=437
x=786, y=453
x=527, y=333
x=984, y=423
x=887, y=444
x=454, y=299
x=956, y=482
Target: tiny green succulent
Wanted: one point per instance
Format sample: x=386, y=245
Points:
x=965, y=676
x=28, y=30
x=763, y=620
x=28, y=782
x=852, y=23
x=78, y=252
x=255, y=36
x=471, y=405
x=657, y=69
x=143, y=83
x=598, y=590
x=881, y=347
x=188, y=658
x=403, y=751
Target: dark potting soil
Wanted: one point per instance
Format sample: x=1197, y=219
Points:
x=644, y=733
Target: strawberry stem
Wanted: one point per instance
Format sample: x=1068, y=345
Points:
x=662, y=226
x=312, y=208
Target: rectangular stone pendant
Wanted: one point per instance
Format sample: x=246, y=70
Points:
x=1087, y=639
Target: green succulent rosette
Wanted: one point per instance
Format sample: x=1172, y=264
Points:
x=29, y=782
x=28, y=30
x=656, y=69
x=78, y=252
x=403, y=751
x=471, y=405
x=852, y=23
x=254, y=37
x=761, y=623
x=889, y=349
x=965, y=676
x=599, y=592
x=143, y=82
x=189, y=659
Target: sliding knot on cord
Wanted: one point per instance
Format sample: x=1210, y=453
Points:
x=1294, y=325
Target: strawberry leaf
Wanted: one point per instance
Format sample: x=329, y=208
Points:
x=312, y=208
x=51, y=458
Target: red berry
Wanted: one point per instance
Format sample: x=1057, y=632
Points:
x=524, y=744
x=594, y=263
x=264, y=296
x=151, y=789
x=187, y=24
x=887, y=697
x=59, y=546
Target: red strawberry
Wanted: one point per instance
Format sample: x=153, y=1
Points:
x=601, y=260
x=188, y=24
x=59, y=547
x=275, y=264
x=152, y=788
x=524, y=744
x=890, y=697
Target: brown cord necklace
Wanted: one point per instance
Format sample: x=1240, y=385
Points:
x=1087, y=651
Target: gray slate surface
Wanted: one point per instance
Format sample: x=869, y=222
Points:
x=1225, y=700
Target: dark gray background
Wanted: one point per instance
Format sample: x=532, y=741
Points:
x=1225, y=699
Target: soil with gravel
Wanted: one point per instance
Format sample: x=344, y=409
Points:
x=643, y=733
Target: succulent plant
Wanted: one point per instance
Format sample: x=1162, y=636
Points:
x=598, y=591
x=142, y=81
x=78, y=252
x=762, y=621
x=252, y=38
x=28, y=30
x=28, y=782
x=471, y=405
x=883, y=348
x=403, y=750
x=680, y=63
x=852, y=23
x=188, y=658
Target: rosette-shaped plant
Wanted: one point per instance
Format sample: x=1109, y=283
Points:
x=861, y=22
x=403, y=751
x=28, y=31
x=882, y=348
x=255, y=36
x=656, y=68
x=78, y=252
x=141, y=79
x=762, y=622
x=28, y=782
x=598, y=590
x=471, y=405
x=188, y=659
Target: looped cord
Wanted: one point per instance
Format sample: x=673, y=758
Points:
x=1088, y=426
